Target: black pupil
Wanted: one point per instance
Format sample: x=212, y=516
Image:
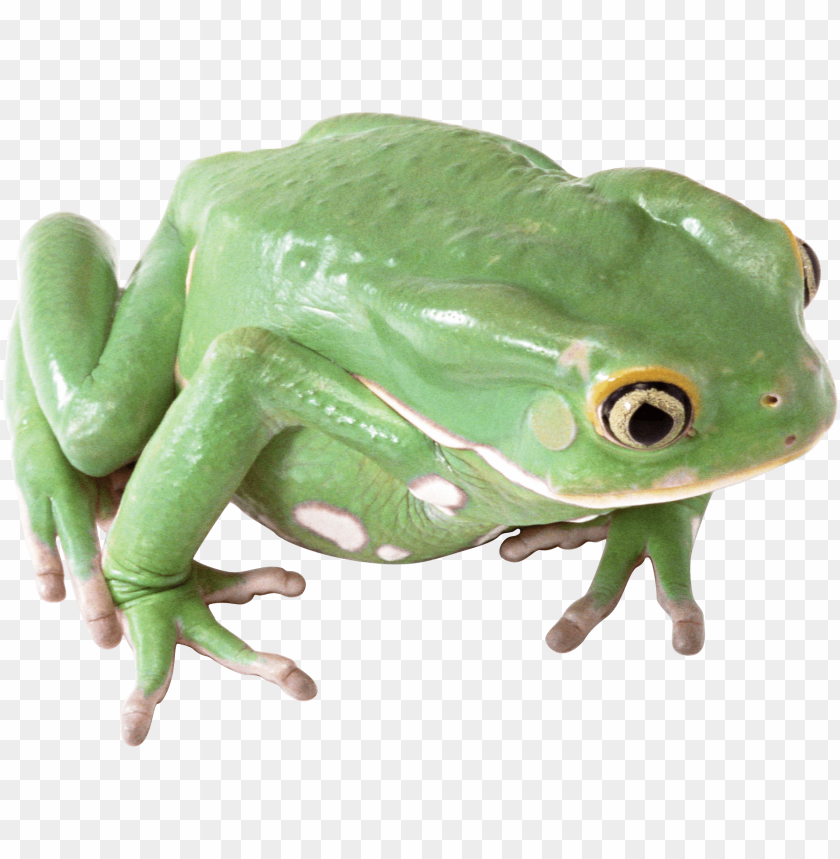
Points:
x=649, y=425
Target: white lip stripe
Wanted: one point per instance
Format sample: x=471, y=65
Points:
x=490, y=455
x=525, y=479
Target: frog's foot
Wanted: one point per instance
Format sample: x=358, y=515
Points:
x=156, y=622
x=65, y=511
x=239, y=588
x=557, y=535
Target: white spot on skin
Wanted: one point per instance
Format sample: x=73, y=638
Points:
x=677, y=477
x=334, y=524
x=438, y=491
x=392, y=553
x=695, y=526
x=190, y=269
x=489, y=536
x=577, y=355
x=180, y=381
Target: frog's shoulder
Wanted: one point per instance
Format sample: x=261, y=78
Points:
x=212, y=169
x=207, y=181
x=361, y=123
x=350, y=124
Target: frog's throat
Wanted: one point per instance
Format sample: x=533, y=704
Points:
x=519, y=476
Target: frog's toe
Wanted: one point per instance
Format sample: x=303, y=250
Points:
x=137, y=715
x=565, y=635
x=51, y=586
x=69, y=516
x=105, y=630
x=579, y=619
x=689, y=633
x=239, y=588
x=557, y=535
x=153, y=638
x=201, y=631
x=49, y=576
x=38, y=524
x=688, y=637
x=284, y=673
x=84, y=563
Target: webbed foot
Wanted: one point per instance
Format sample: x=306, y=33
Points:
x=664, y=533
x=58, y=502
x=155, y=622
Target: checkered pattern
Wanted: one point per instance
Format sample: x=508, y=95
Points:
x=444, y=727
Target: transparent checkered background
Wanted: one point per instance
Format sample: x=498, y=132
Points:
x=444, y=727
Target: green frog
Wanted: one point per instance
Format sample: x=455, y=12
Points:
x=391, y=341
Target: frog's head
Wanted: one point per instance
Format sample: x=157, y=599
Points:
x=658, y=350
x=701, y=372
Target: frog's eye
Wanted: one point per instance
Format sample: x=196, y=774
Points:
x=811, y=266
x=646, y=415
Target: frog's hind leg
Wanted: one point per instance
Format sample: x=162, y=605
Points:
x=251, y=386
x=102, y=363
x=86, y=389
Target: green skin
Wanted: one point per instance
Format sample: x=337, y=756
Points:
x=390, y=342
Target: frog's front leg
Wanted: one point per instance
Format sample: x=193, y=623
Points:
x=664, y=533
x=251, y=386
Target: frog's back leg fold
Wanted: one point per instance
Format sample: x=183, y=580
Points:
x=101, y=363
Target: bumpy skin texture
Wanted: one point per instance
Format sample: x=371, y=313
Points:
x=389, y=342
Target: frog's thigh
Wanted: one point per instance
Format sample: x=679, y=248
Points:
x=103, y=379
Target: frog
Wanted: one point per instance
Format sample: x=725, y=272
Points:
x=391, y=341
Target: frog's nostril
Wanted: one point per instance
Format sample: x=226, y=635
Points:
x=790, y=440
x=770, y=401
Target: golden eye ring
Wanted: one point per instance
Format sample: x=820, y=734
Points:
x=648, y=415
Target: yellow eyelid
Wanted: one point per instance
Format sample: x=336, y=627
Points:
x=603, y=388
x=795, y=242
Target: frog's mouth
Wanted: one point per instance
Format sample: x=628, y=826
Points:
x=682, y=483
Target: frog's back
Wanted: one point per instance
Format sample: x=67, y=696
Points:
x=349, y=169
x=301, y=240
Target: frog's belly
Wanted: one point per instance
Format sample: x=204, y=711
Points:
x=316, y=492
